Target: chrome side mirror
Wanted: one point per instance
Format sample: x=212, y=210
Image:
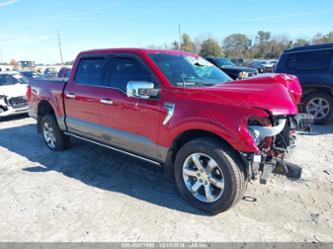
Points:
x=141, y=90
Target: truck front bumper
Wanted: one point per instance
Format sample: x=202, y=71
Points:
x=258, y=163
x=274, y=155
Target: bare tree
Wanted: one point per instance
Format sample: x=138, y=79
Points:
x=211, y=47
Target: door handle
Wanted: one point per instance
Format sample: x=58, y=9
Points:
x=106, y=101
x=70, y=95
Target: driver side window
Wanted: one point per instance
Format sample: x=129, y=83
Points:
x=125, y=69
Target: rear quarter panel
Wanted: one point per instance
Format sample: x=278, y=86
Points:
x=49, y=91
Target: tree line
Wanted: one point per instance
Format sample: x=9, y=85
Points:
x=238, y=45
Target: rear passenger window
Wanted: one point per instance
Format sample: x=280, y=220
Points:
x=123, y=70
x=309, y=61
x=91, y=71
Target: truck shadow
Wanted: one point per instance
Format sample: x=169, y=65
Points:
x=15, y=117
x=97, y=167
x=102, y=168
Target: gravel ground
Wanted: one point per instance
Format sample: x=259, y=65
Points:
x=89, y=193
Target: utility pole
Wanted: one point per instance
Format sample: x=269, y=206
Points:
x=180, y=37
x=180, y=48
x=60, y=51
x=1, y=57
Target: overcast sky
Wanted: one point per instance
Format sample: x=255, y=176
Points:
x=29, y=27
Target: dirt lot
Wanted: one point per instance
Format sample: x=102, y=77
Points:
x=89, y=193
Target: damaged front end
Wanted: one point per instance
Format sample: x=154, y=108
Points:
x=3, y=104
x=275, y=138
x=12, y=105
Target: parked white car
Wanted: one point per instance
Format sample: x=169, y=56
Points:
x=13, y=88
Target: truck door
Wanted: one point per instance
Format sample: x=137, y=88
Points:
x=82, y=97
x=131, y=124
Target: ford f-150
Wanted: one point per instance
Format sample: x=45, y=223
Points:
x=177, y=110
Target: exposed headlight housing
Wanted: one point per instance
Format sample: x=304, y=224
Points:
x=255, y=134
x=3, y=104
x=3, y=98
x=260, y=128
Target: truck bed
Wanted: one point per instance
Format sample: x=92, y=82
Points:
x=48, y=90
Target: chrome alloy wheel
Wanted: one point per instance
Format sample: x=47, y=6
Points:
x=49, y=135
x=318, y=107
x=203, y=178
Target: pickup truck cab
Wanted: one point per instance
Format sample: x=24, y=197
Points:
x=173, y=109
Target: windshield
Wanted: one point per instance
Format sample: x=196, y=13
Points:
x=12, y=79
x=224, y=62
x=182, y=70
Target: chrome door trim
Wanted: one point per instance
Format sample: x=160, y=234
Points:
x=133, y=143
x=113, y=148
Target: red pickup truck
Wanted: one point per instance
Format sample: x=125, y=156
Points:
x=177, y=110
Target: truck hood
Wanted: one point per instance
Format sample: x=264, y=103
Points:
x=277, y=93
x=16, y=90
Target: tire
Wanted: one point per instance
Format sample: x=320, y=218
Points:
x=316, y=100
x=228, y=166
x=60, y=140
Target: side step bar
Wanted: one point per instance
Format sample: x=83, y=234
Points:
x=114, y=149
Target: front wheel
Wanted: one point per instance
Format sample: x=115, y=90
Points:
x=210, y=175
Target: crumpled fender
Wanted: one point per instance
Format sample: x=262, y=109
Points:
x=234, y=131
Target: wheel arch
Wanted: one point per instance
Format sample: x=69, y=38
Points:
x=44, y=108
x=309, y=90
x=185, y=137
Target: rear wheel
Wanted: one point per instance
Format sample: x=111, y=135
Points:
x=320, y=105
x=53, y=137
x=209, y=175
